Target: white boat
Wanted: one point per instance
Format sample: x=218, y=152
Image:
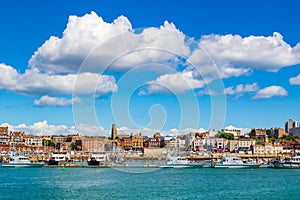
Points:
x=234, y=162
x=58, y=159
x=288, y=163
x=179, y=162
x=98, y=159
x=21, y=161
x=119, y=159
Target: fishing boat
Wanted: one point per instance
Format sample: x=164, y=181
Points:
x=21, y=161
x=288, y=163
x=234, y=162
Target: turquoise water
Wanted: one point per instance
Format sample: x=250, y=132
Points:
x=97, y=183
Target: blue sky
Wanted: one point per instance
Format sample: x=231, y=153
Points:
x=224, y=63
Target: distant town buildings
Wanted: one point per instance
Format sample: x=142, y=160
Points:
x=257, y=141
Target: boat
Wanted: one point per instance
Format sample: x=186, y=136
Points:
x=179, y=162
x=119, y=159
x=288, y=163
x=234, y=162
x=58, y=159
x=21, y=161
x=98, y=159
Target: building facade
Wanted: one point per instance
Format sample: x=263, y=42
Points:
x=4, y=137
x=295, y=131
x=291, y=123
x=277, y=132
x=93, y=144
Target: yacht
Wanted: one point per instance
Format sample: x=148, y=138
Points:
x=21, y=161
x=179, y=162
x=288, y=163
x=234, y=162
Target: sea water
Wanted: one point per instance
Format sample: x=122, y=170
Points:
x=108, y=183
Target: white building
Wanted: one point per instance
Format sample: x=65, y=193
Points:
x=189, y=141
x=34, y=141
x=177, y=144
x=198, y=144
x=268, y=148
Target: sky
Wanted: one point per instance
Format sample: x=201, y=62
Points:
x=174, y=67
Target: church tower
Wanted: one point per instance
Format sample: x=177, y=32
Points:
x=114, y=133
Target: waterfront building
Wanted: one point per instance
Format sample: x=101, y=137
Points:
x=295, y=131
x=291, y=123
x=32, y=140
x=157, y=138
x=242, y=144
x=166, y=139
x=177, y=143
x=59, y=142
x=189, y=141
x=277, y=132
x=209, y=144
x=221, y=144
x=268, y=148
x=17, y=137
x=137, y=142
x=4, y=138
x=198, y=144
x=126, y=143
x=75, y=140
x=93, y=144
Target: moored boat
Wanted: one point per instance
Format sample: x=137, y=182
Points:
x=21, y=161
x=179, y=162
x=234, y=162
x=98, y=159
x=58, y=159
x=288, y=163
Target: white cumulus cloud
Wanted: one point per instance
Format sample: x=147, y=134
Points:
x=236, y=55
x=270, y=91
x=44, y=128
x=119, y=41
x=177, y=83
x=241, y=89
x=34, y=83
x=54, y=101
x=295, y=80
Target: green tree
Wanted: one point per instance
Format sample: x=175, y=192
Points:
x=163, y=144
x=289, y=138
x=48, y=143
x=73, y=146
x=225, y=135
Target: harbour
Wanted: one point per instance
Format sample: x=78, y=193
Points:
x=139, y=183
